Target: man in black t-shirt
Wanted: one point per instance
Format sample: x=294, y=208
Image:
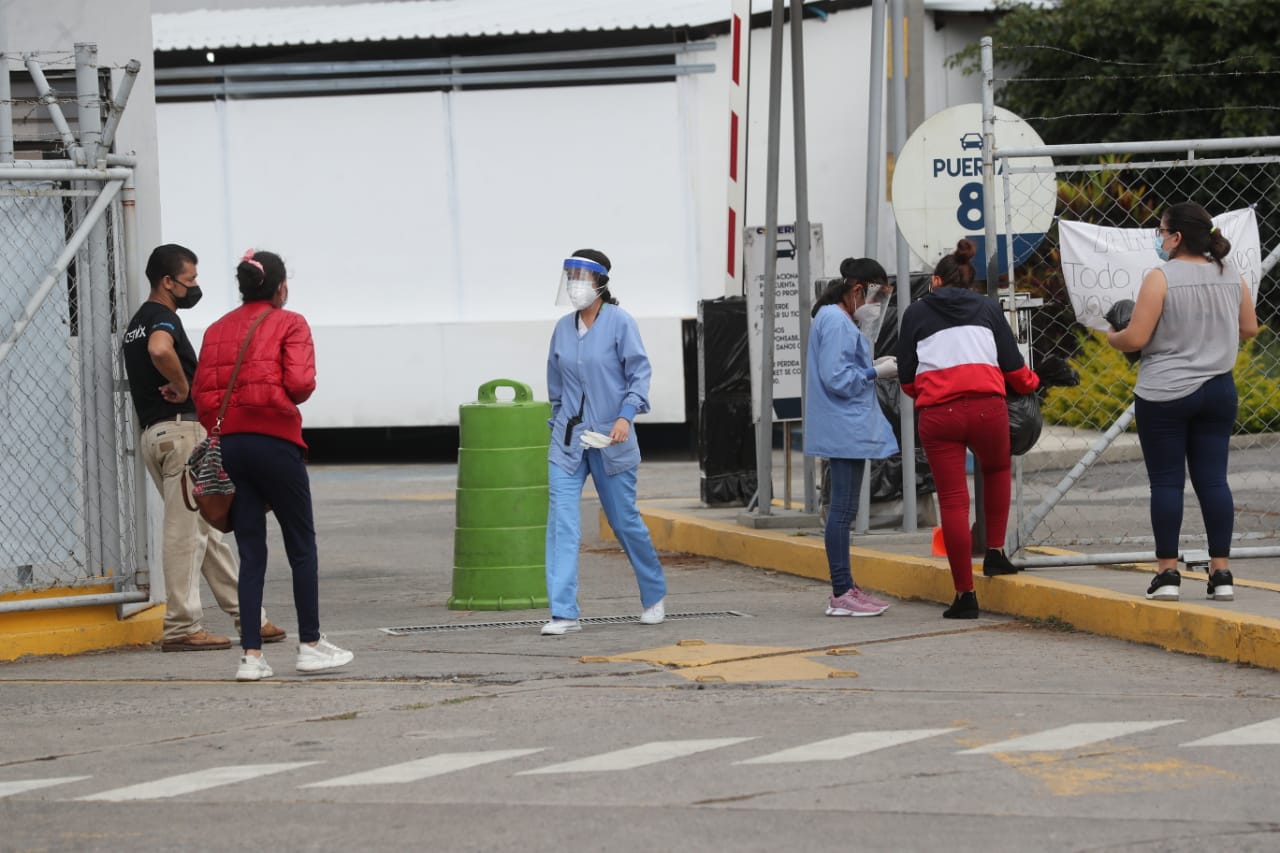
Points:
x=160, y=363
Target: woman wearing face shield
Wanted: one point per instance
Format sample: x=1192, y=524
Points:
x=598, y=381
x=843, y=421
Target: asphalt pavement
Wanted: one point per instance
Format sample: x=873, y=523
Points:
x=747, y=720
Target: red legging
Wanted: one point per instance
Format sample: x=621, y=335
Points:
x=980, y=424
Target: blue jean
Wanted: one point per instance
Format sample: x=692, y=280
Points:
x=846, y=484
x=1192, y=432
x=564, y=533
x=268, y=470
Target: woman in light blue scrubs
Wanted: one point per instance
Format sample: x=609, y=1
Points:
x=598, y=381
x=843, y=421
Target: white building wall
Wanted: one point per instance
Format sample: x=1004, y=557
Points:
x=424, y=231
x=948, y=87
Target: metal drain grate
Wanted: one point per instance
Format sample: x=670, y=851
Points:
x=531, y=623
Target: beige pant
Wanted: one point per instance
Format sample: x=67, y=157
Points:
x=190, y=547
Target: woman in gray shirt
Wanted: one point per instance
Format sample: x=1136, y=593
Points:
x=1188, y=321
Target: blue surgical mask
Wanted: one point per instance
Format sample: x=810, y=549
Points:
x=1160, y=250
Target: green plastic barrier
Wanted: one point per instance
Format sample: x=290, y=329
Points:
x=499, y=546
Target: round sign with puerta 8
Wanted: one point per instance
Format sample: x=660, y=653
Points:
x=938, y=193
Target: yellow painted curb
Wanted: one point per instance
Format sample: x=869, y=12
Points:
x=73, y=630
x=1182, y=627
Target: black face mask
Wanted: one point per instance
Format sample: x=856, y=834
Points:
x=190, y=298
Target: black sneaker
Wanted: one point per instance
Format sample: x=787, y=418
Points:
x=964, y=607
x=996, y=563
x=1221, y=586
x=1164, y=587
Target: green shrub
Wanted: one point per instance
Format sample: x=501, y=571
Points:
x=1107, y=380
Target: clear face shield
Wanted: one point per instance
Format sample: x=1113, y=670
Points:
x=870, y=315
x=578, y=282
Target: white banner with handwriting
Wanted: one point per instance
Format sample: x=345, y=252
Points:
x=1102, y=265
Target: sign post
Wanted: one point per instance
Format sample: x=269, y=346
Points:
x=787, y=355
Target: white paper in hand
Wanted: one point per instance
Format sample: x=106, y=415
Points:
x=595, y=440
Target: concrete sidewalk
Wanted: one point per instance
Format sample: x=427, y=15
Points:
x=1108, y=600
x=1105, y=600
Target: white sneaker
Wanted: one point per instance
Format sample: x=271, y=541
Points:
x=253, y=668
x=560, y=626
x=655, y=614
x=323, y=655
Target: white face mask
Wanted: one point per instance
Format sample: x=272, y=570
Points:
x=868, y=319
x=581, y=294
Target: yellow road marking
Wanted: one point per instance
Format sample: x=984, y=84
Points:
x=1070, y=775
x=706, y=662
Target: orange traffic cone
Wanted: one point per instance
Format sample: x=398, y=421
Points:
x=939, y=544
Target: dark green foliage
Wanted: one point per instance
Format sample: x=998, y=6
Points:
x=1098, y=71
x=1102, y=71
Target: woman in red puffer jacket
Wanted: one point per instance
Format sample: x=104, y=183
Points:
x=263, y=451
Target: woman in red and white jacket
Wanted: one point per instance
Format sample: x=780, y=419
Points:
x=263, y=450
x=956, y=356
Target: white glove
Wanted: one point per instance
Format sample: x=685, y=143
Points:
x=886, y=367
x=594, y=440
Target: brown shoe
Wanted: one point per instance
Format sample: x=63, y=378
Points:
x=200, y=641
x=272, y=633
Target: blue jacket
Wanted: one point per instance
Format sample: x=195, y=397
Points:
x=602, y=376
x=842, y=416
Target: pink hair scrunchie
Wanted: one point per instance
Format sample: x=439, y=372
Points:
x=248, y=259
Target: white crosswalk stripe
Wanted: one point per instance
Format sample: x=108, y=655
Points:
x=1073, y=736
x=637, y=756
x=423, y=768
x=201, y=780
x=18, y=786
x=1259, y=734
x=1069, y=737
x=838, y=748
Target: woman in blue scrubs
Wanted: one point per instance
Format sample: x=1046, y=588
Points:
x=598, y=381
x=843, y=421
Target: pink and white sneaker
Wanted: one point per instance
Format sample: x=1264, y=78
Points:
x=866, y=596
x=854, y=604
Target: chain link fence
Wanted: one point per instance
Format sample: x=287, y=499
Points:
x=67, y=481
x=69, y=478
x=1085, y=483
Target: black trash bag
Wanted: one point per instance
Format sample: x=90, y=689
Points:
x=1055, y=372
x=1119, y=315
x=886, y=474
x=1025, y=422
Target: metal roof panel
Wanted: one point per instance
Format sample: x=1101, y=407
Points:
x=425, y=19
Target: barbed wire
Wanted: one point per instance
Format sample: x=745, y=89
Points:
x=1099, y=59
x=1181, y=111
x=46, y=57
x=1166, y=76
x=63, y=99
